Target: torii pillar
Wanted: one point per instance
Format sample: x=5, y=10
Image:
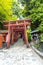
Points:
x=25, y=36
x=8, y=36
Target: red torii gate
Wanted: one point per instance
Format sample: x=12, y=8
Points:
x=15, y=28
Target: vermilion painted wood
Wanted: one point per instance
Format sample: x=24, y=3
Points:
x=1, y=39
x=20, y=24
x=14, y=29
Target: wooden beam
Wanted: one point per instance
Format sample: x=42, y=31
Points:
x=14, y=21
x=21, y=24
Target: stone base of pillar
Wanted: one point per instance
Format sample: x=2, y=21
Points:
x=7, y=47
x=28, y=46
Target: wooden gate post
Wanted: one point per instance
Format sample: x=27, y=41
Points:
x=25, y=36
x=8, y=37
x=8, y=40
x=12, y=37
x=1, y=40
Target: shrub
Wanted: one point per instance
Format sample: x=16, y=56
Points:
x=41, y=37
x=28, y=34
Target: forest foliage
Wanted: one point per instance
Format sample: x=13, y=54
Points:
x=14, y=9
x=34, y=9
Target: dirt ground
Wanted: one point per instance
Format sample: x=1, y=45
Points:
x=18, y=54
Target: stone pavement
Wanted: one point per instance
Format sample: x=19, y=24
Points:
x=18, y=54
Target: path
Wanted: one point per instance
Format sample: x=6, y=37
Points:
x=19, y=55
